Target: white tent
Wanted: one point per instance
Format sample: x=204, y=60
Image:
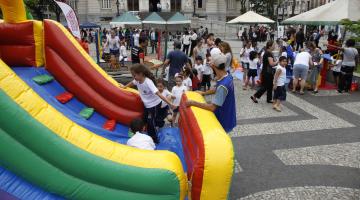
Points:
x=328, y=14
x=251, y=17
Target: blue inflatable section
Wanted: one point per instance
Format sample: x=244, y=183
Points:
x=169, y=138
x=14, y=187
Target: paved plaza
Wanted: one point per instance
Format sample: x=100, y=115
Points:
x=310, y=151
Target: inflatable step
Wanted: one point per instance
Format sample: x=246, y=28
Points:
x=86, y=112
x=64, y=97
x=109, y=125
x=43, y=79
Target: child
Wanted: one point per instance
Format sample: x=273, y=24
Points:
x=177, y=91
x=199, y=67
x=113, y=62
x=164, y=110
x=123, y=53
x=253, y=67
x=150, y=96
x=140, y=140
x=206, y=79
x=187, y=82
x=279, y=83
x=337, y=69
x=195, y=80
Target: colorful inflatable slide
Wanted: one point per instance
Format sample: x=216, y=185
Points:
x=63, y=127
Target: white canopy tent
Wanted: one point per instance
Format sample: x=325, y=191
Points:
x=328, y=14
x=251, y=17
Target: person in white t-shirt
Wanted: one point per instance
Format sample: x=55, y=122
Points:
x=139, y=139
x=123, y=52
x=253, y=68
x=199, y=67
x=302, y=63
x=136, y=37
x=186, y=38
x=206, y=79
x=279, y=83
x=187, y=82
x=150, y=96
x=177, y=91
x=337, y=69
x=113, y=42
x=245, y=58
x=164, y=110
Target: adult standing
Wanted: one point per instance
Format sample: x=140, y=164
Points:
x=349, y=64
x=153, y=40
x=177, y=60
x=244, y=36
x=136, y=37
x=138, y=53
x=158, y=5
x=267, y=74
x=113, y=42
x=226, y=50
x=300, y=39
x=223, y=104
x=245, y=57
x=302, y=63
x=199, y=50
x=318, y=60
x=193, y=38
x=186, y=42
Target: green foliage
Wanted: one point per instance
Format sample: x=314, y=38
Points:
x=258, y=6
x=353, y=27
x=38, y=7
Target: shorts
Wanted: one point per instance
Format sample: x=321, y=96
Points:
x=245, y=65
x=252, y=73
x=280, y=93
x=206, y=79
x=315, y=74
x=176, y=110
x=300, y=71
x=336, y=74
x=115, y=52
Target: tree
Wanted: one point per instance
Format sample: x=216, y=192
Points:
x=38, y=7
x=353, y=27
x=258, y=6
x=270, y=9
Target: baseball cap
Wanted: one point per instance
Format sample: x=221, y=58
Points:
x=218, y=59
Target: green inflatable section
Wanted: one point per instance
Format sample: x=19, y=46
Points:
x=32, y=151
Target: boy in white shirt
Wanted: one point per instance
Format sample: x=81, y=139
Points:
x=206, y=79
x=279, y=83
x=177, y=91
x=164, y=110
x=123, y=52
x=199, y=67
x=140, y=140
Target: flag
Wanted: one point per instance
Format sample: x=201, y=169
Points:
x=71, y=18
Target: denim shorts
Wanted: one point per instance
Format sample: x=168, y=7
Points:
x=300, y=71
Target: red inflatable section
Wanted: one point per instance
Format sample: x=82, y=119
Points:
x=194, y=150
x=17, y=38
x=76, y=74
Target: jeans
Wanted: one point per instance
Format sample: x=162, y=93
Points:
x=186, y=49
x=266, y=86
x=346, y=78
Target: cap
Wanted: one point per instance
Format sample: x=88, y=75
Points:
x=218, y=59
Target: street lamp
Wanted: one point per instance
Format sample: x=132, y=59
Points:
x=117, y=7
x=194, y=4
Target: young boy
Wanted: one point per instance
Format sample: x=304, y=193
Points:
x=164, y=110
x=206, y=79
x=279, y=83
x=140, y=140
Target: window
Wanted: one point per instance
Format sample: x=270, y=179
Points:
x=200, y=4
x=230, y=4
x=175, y=5
x=133, y=5
x=106, y=4
x=73, y=4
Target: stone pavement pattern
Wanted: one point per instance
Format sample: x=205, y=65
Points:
x=310, y=151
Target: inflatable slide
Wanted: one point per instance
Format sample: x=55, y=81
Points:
x=64, y=126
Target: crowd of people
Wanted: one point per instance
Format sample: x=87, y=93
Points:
x=203, y=63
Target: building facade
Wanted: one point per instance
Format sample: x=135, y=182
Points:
x=104, y=10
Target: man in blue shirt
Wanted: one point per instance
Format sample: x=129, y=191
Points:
x=177, y=60
x=223, y=104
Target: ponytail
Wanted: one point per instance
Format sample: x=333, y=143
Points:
x=142, y=69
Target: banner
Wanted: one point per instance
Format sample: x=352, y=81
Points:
x=71, y=18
